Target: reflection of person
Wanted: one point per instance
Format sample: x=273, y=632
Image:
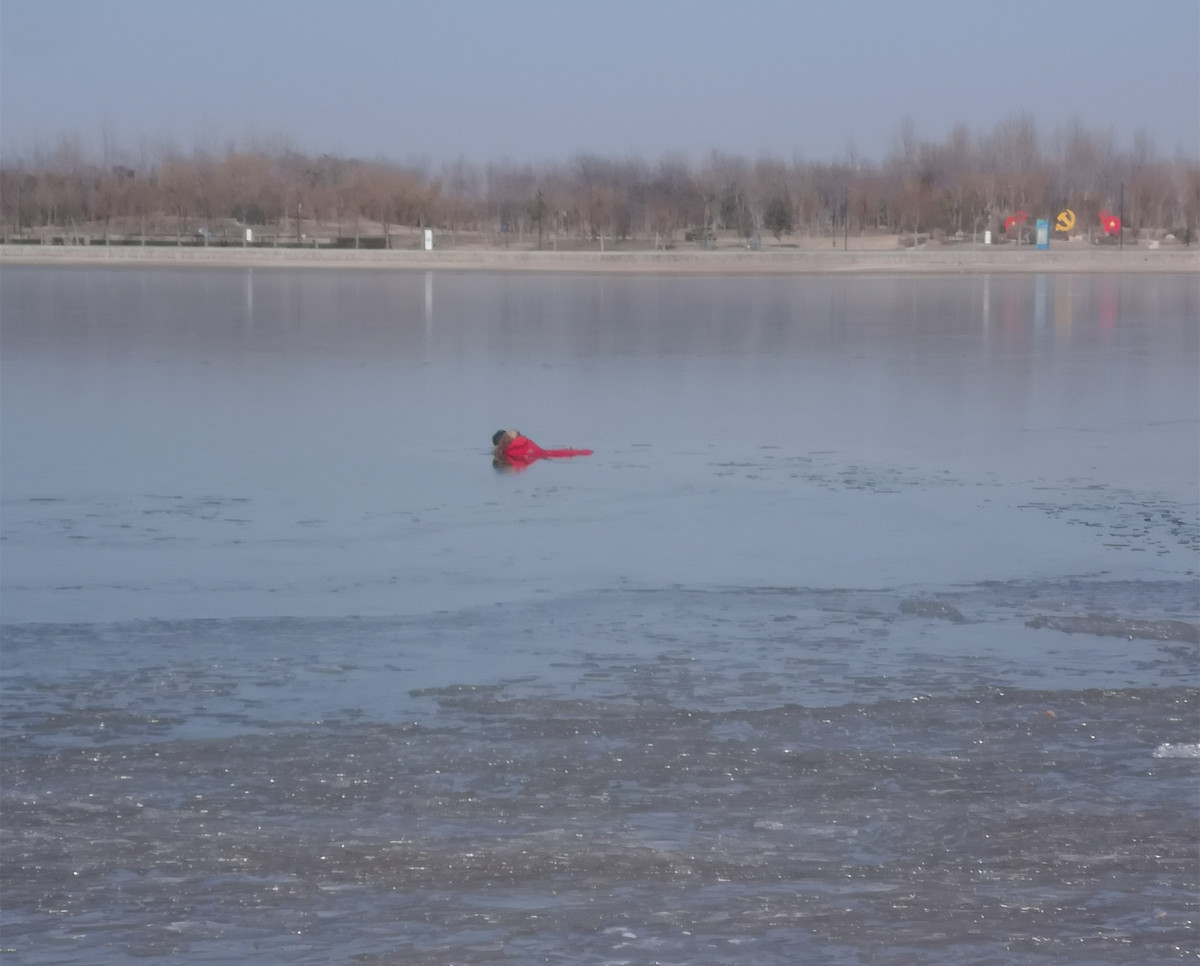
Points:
x=511, y=449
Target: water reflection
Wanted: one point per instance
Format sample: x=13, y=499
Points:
x=1063, y=305
x=249, y=293
x=1110, y=303
x=428, y=304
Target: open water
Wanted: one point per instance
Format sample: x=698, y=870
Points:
x=867, y=635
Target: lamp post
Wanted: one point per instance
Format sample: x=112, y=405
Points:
x=1121, y=219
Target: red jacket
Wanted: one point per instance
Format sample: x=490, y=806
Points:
x=522, y=451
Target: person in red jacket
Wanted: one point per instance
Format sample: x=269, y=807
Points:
x=511, y=449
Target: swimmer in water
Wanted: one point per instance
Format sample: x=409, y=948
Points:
x=511, y=449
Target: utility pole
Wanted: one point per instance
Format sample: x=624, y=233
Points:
x=846, y=221
x=540, y=210
x=1121, y=219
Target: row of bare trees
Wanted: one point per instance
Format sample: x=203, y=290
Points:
x=966, y=183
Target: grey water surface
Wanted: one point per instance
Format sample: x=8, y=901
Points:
x=869, y=633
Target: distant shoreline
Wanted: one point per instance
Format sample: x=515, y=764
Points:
x=1064, y=258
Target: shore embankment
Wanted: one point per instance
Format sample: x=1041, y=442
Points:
x=1067, y=258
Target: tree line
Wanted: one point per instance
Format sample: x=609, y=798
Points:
x=960, y=186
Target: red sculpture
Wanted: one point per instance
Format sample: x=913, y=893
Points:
x=1015, y=219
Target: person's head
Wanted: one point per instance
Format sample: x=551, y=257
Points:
x=502, y=436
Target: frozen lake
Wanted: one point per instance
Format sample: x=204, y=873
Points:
x=870, y=585
x=224, y=443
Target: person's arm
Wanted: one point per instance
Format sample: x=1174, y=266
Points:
x=564, y=452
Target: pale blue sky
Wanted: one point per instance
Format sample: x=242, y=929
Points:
x=544, y=80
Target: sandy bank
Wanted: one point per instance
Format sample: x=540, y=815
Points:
x=1065, y=258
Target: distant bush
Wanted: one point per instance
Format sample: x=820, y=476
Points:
x=249, y=214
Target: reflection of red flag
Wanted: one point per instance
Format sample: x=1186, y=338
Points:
x=1110, y=223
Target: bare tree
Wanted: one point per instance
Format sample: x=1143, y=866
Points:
x=965, y=182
